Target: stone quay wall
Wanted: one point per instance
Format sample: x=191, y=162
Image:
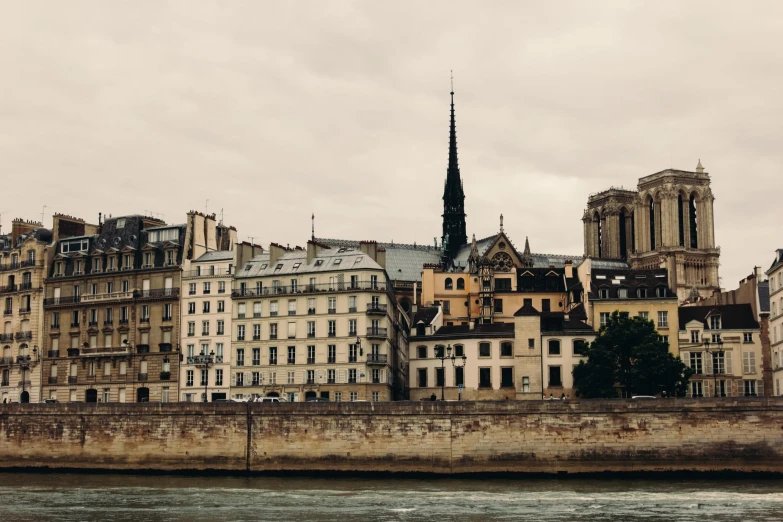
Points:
x=731, y=434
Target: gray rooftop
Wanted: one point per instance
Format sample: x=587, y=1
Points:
x=404, y=262
x=295, y=262
x=216, y=255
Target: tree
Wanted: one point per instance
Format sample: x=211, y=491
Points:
x=629, y=353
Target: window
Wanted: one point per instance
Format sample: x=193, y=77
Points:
x=256, y=332
x=240, y=332
x=292, y=355
x=460, y=284
x=331, y=376
x=507, y=377
x=331, y=353
x=352, y=375
x=545, y=306
x=747, y=337
x=485, y=350
x=191, y=328
x=604, y=317
x=503, y=284
x=696, y=389
x=292, y=307
x=204, y=327
x=220, y=327
x=459, y=376
x=622, y=293
x=695, y=336
x=663, y=319
x=580, y=347
x=191, y=308
x=332, y=305
x=750, y=388
x=660, y=291
x=273, y=355
x=256, y=356
x=240, y=356
x=716, y=338
x=715, y=322
x=338, y=397
x=221, y=287
x=498, y=305
x=506, y=349
x=664, y=339
x=531, y=343
x=554, y=347
x=603, y=293
x=376, y=396
x=273, y=308
x=485, y=378
x=447, y=306
x=354, y=396
x=189, y=378
x=696, y=362
x=311, y=354
x=310, y=377
x=221, y=306
x=240, y=378
x=421, y=352
x=448, y=284
x=641, y=292
x=422, y=377
x=205, y=307
x=644, y=315
x=273, y=330
x=332, y=328
x=719, y=363
x=555, y=378
x=310, y=328
x=192, y=289
x=440, y=379
x=311, y=305
x=748, y=362
x=352, y=353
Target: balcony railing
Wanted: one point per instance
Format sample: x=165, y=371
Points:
x=53, y=354
x=24, y=384
x=93, y=352
x=110, y=296
x=24, y=310
x=108, y=322
x=142, y=348
x=142, y=377
x=376, y=332
x=72, y=379
x=164, y=347
x=59, y=301
x=26, y=286
x=6, y=361
x=73, y=352
x=91, y=323
x=376, y=308
x=8, y=288
x=8, y=311
x=157, y=293
x=331, y=360
x=311, y=360
x=74, y=325
x=201, y=360
x=52, y=379
x=24, y=336
x=377, y=358
x=308, y=289
x=4, y=338
x=165, y=376
x=23, y=360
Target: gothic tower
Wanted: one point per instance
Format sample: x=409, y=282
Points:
x=454, y=234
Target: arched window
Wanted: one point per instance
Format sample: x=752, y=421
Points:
x=449, y=283
x=460, y=284
x=652, y=224
x=623, y=237
x=681, y=219
x=554, y=347
x=694, y=228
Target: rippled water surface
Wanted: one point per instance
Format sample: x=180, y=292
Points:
x=76, y=497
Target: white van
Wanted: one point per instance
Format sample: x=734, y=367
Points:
x=271, y=399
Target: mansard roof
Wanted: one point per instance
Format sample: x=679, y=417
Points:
x=294, y=262
x=425, y=315
x=733, y=317
x=404, y=262
x=613, y=280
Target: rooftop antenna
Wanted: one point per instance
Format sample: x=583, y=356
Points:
x=452, y=80
x=206, y=208
x=42, y=214
x=221, y=216
x=313, y=234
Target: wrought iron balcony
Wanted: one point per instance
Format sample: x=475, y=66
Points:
x=26, y=286
x=164, y=347
x=24, y=336
x=24, y=384
x=53, y=354
x=6, y=361
x=309, y=289
x=310, y=334
x=311, y=360
x=377, y=332
x=74, y=325
x=331, y=360
x=23, y=360
x=110, y=350
x=73, y=352
x=377, y=358
x=165, y=376
x=200, y=360
x=72, y=379
x=52, y=379
x=24, y=310
x=60, y=301
x=376, y=308
x=6, y=338
x=142, y=348
x=8, y=288
x=157, y=293
x=142, y=377
x=108, y=322
x=8, y=311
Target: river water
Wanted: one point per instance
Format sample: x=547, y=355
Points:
x=119, y=498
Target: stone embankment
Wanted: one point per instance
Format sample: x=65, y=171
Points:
x=742, y=434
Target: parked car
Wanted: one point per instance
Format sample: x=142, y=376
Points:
x=316, y=399
x=643, y=397
x=49, y=401
x=271, y=399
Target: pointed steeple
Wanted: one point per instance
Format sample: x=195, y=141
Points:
x=699, y=167
x=527, y=257
x=453, y=196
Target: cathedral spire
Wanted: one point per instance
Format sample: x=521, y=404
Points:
x=453, y=196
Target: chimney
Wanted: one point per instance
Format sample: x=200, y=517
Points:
x=381, y=257
x=20, y=227
x=275, y=251
x=569, y=269
x=313, y=248
x=210, y=232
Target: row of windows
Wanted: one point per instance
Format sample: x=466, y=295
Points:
x=109, y=340
x=92, y=368
x=294, y=397
x=274, y=306
x=337, y=282
x=697, y=337
x=485, y=377
x=114, y=263
x=349, y=376
x=108, y=315
x=719, y=362
x=206, y=307
x=312, y=357
x=220, y=330
x=204, y=377
x=663, y=317
x=206, y=288
x=748, y=388
x=374, y=328
x=624, y=293
x=109, y=287
x=91, y=395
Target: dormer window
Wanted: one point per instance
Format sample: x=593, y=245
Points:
x=622, y=293
x=641, y=292
x=121, y=223
x=337, y=261
x=58, y=269
x=297, y=265
x=660, y=291
x=715, y=322
x=96, y=265
x=127, y=262
x=169, y=257
x=79, y=269
x=80, y=245
x=603, y=293
x=319, y=262
x=279, y=267
x=149, y=261
x=112, y=264
x=695, y=336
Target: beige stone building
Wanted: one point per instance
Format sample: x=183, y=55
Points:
x=642, y=293
x=666, y=223
x=112, y=312
x=722, y=346
x=775, y=275
x=319, y=323
x=564, y=340
x=23, y=255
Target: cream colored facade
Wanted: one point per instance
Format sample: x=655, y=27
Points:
x=317, y=323
x=775, y=275
x=562, y=352
x=23, y=255
x=736, y=373
x=206, y=327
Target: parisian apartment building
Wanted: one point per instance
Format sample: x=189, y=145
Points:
x=775, y=276
x=317, y=323
x=23, y=261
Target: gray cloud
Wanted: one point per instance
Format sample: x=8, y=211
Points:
x=275, y=110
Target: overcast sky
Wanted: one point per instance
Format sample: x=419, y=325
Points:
x=274, y=110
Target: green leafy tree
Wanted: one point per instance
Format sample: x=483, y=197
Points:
x=628, y=353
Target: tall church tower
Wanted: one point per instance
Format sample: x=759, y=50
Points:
x=454, y=234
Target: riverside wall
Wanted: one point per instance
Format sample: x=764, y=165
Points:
x=737, y=434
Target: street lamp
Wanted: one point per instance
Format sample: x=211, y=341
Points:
x=444, y=353
x=206, y=361
x=715, y=367
x=455, y=366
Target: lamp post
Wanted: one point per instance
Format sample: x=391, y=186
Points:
x=444, y=354
x=455, y=366
x=715, y=367
x=206, y=361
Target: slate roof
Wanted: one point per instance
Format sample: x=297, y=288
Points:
x=404, y=262
x=557, y=322
x=539, y=260
x=43, y=235
x=349, y=259
x=777, y=261
x=544, y=280
x=763, y=289
x=494, y=330
x=425, y=315
x=733, y=317
x=613, y=280
x=527, y=309
x=216, y=255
